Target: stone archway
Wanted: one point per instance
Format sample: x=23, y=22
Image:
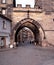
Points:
x=33, y=25
x=33, y=28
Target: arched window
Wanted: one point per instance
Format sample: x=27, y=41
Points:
x=4, y=24
x=3, y=11
x=3, y=1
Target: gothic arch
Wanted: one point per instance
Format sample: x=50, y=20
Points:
x=33, y=25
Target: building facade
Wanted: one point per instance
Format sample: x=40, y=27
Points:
x=40, y=19
x=5, y=31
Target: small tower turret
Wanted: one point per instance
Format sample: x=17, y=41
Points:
x=38, y=4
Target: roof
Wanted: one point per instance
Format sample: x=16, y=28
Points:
x=5, y=17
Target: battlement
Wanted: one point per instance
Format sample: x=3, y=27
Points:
x=20, y=6
x=26, y=8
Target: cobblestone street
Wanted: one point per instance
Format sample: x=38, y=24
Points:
x=28, y=55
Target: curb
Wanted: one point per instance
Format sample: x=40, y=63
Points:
x=7, y=49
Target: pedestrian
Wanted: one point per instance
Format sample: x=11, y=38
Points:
x=30, y=41
x=2, y=42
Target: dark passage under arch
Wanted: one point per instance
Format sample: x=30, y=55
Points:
x=32, y=27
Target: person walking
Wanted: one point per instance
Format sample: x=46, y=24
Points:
x=2, y=43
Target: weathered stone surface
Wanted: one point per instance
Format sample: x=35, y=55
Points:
x=43, y=13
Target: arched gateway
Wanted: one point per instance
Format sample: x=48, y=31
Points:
x=33, y=25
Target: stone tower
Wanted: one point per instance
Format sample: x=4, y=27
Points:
x=6, y=7
x=38, y=4
x=45, y=5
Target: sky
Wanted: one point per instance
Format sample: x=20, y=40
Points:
x=24, y=2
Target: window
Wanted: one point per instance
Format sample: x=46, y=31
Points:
x=0, y=10
x=53, y=19
x=3, y=1
x=4, y=11
x=4, y=24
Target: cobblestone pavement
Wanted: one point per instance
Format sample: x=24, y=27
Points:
x=28, y=55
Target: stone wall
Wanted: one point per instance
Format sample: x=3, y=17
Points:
x=45, y=20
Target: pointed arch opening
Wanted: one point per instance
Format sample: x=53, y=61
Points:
x=34, y=26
